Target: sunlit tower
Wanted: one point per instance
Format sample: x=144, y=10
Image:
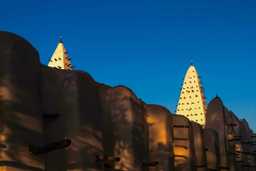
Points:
x=60, y=58
x=191, y=102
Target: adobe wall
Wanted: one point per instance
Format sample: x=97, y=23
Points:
x=110, y=129
x=20, y=119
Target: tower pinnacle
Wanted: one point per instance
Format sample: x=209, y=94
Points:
x=192, y=101
x=60, y=58
x=60, y=39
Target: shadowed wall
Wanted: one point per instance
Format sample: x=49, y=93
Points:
x=21, y=117
x=109, y=128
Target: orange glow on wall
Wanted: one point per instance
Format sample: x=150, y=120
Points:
x=3, y=168
x=180, y=151
x=158, y=129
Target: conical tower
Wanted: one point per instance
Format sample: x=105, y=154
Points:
x=60, y=58
x=192, y=100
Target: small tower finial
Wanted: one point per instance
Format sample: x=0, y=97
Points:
x=191, y=61
x=60, y=39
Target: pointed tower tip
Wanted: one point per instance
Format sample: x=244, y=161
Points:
x=191, y=67
x=216, y=99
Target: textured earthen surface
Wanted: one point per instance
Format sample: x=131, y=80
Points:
x=236, y=149
x=126, y=128
x=21, y=122
x=199, y=157
x=109, y=127
x=182, y=143
x=159, y=121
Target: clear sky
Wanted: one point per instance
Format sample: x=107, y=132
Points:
x=148, y=45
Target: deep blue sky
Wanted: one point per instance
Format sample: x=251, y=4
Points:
x=148, y=45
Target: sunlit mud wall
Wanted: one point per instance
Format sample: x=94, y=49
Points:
x=109, y=127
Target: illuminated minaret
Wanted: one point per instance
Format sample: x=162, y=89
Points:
x=60, y=58
x=192, y=100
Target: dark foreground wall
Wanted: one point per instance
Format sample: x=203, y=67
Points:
x=20, y=103
x=58, y=120
x=235, y=139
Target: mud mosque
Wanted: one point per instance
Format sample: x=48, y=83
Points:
x=56, y=118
